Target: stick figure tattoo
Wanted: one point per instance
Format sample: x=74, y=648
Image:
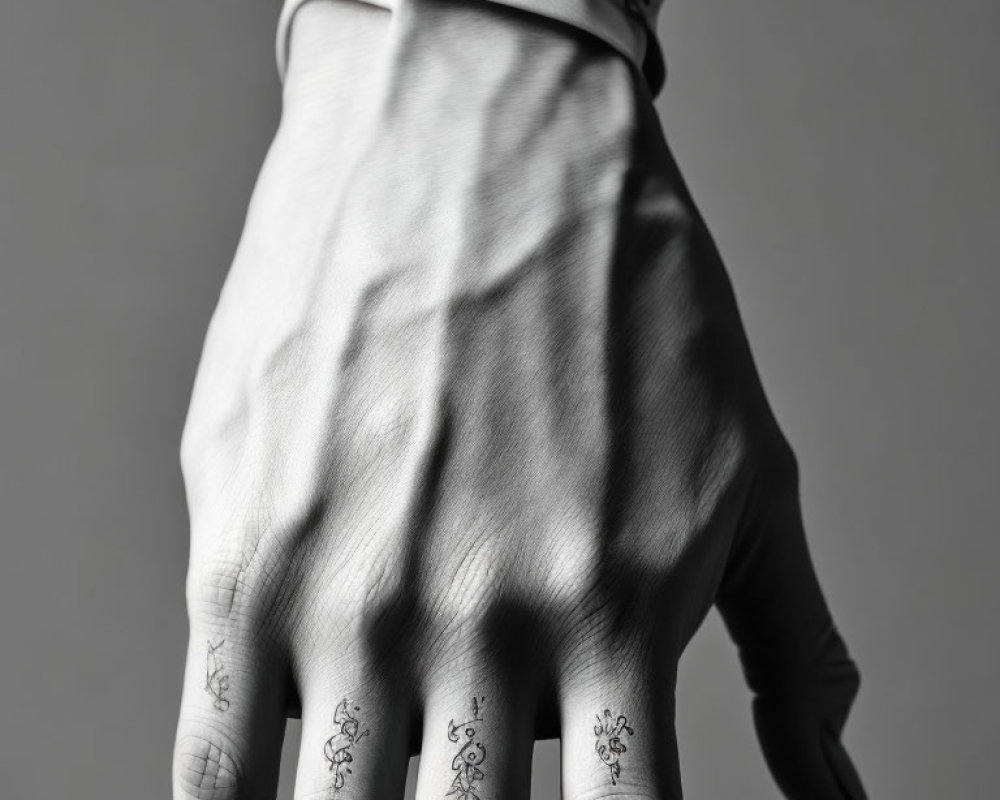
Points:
x=338, y=747
x=609, y=744
x=469, y=757
x=216, y=678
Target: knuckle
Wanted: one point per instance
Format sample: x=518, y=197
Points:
x=464, y=583
x=242, y=566
x=236, y=575
x=464, y=606
x=206, y=767
x=217, y=589
x=229, y=587
x=572, y=571
x=461, y=596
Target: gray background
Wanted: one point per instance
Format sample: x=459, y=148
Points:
x=846, y=157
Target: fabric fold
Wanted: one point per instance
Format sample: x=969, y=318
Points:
x=629, y=26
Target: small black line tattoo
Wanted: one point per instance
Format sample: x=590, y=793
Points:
x=609, y=744
x=216, y=677
x=470, y=756
x=338, y=747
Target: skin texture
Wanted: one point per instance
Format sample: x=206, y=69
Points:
x=476, y=440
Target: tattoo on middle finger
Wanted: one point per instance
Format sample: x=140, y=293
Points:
x=468, y=761
x=338, y=749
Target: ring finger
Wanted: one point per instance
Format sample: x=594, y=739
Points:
x=618, y=737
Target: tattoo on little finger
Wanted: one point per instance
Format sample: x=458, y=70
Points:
x=609, y=745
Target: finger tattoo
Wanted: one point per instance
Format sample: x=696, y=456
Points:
x=609, y=745
x=216, y=677
x=470, y=757
x=338, y=748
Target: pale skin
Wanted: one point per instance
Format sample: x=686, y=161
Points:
x=477, y=441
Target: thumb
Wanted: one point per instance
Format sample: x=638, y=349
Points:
x=793, y=658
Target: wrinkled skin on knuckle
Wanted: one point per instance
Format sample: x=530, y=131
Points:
x=224, y=576
x=346, y=609
x=213, y=590
x=225, y=592
x=205, y=767
x=245, y=576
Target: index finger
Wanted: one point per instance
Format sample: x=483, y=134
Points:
x=232, y=718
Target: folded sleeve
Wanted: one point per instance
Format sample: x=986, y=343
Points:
x=629, y=26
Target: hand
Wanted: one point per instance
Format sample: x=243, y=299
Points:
x=476, y=440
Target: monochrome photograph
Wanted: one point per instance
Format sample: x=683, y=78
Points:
x=499, y=400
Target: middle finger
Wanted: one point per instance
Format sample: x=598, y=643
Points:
x=478, y=736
